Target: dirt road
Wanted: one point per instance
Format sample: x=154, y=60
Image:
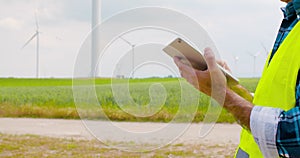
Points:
x=220, y=134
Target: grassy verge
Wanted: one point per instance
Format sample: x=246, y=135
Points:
x=53, y=98
x=15, y=146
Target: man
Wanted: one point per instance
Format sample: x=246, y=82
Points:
x=271, y=123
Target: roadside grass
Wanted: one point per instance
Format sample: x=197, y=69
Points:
x=53, y=98
x=249, y=83
x=15, y=146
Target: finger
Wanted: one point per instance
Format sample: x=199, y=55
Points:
x=180, y=63
x=177, y=60
x=217, y=75
x=218, y=80
x=210, y=60
x=185, y=70
x=224, y=64
x=221, y=63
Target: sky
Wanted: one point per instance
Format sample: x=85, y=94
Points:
x=238, y=28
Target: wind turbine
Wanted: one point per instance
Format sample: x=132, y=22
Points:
x=37, y=36
x=265, y=49
x=236, y=59
x=96, y=19
x=132, y=47
x=254, y=61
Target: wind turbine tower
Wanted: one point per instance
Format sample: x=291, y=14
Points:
x=96, y=19
x=254, y=61
x=37, y=36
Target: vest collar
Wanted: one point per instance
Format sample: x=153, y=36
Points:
x=296, y=4
x=289, y=11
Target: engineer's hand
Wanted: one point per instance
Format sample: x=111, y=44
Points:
x=224, y=65
x=211, y=81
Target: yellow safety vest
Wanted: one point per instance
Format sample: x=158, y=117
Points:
x=276, y=88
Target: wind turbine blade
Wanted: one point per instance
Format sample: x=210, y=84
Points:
x=36, y=20
x=30, y=40
x=126, y=41
x=266, y=50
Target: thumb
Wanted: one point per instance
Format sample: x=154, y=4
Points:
x=210, y=60
x=218, y=79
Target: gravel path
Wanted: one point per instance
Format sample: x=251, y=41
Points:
x=220, y=134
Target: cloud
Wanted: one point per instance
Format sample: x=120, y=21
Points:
x=11, y=23
x=235, y=26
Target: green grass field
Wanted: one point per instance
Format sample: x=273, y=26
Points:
x=53, y=98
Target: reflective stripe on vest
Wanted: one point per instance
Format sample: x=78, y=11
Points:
x=276, y=88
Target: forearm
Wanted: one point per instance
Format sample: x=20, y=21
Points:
x=261, y=121
x=243, y=92
x=272, y=128
x=238, y=107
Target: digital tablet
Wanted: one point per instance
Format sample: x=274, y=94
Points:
x=193, y=57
